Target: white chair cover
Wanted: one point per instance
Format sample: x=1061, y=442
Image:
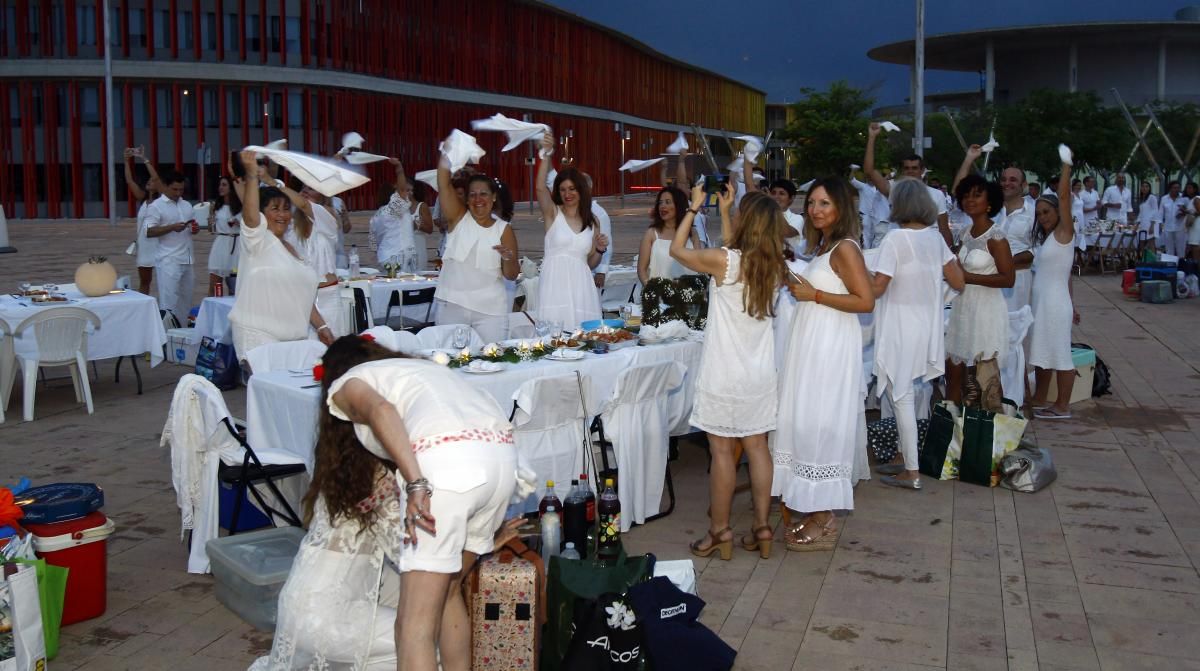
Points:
x=442, y=336
x=296, y=354
x=548, y=429
x=61, y=335
x=1012, y=369
x=397, y=341
x=519, y=326
x=638, y=421
x=528, y=287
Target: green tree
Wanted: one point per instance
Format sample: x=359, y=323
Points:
x=1181, y=121
x=829, y=130
x=1030, y=132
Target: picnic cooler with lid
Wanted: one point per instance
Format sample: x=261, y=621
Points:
x=182, y=346
x=69, y=531
x=250, y=570
x=1085, y=371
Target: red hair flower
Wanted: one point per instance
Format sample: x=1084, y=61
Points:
x=318, y=371
x=368, y=337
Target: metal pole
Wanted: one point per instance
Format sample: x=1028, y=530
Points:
x=108, y=120
x=919, y=79
x=621, y=131
x=527, y=118
x=1141, y=137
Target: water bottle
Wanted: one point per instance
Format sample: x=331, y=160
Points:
x=551, y=535
x=608, y=539
x=570, y=552
x=354, y=267
x=574, y=520
x=550, y=499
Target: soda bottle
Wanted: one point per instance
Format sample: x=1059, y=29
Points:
x=589, y=501
x=550, y=499
x=353, y=259
x=575, y=524
x=608, y=538
x=551, y=535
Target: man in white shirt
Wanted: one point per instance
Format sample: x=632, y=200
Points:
x=1090, y=198
x=1117, y=202
x=1016, y=220
x=170, y=220
x=1174, y=210
x=910, y=166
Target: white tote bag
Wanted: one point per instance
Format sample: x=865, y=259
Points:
x=24, y=647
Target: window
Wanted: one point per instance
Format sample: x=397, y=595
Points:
x=253, y=43
x=140, y=102
x=34, y=25
x=185, y=30
x=166, y=108
x=295, y=110
x=93, y=182
x=14, y=107
x=208, y=32
x=231, y=32
x=89, y=106
x=58, y=32
x=114, y=29
x=162, y=29
x=212, y=108
x=10, y=28
x=254, y=108
x=188, y=113
x=233, y=107
x=273, y=34
x=277, y=110
x=85, y=25
x=137, y=28
x=292, y=35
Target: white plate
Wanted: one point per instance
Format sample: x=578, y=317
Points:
x=571, y=355
x=479, y=371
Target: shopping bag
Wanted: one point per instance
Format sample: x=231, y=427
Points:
x=52, y=592
x=608, y=636
x=22, y=645
x=572, y=588
x=941, y=441
x=1027, y=468
x=217, y=363
x=986, y=437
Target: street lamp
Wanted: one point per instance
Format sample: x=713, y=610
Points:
x=620, y=128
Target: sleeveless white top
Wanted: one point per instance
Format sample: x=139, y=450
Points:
x=471, y=274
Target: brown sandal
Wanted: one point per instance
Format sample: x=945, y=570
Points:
x=753, y=542
x=826, y=538
x=715, y=545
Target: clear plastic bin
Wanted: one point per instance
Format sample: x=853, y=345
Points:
x=250, y=570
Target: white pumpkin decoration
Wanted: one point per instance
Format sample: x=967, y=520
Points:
x=97, y=277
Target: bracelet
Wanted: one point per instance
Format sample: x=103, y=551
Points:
x=418, y=484
x=694, y=211
x=324, y=327
x=602, y=251
x=817, y=298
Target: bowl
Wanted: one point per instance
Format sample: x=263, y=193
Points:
x=593, y=324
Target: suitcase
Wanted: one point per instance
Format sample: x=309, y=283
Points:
x=1158, y=291
x=508, y=608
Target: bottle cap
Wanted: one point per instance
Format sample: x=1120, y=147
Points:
x=574, y=482
x=549, y=484
x=608, y=482
x=570, y=545
x=583, y=476
x=550, y=509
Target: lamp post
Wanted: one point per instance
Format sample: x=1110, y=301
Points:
x=919, y=83
x=108, y=120
x=624, y=134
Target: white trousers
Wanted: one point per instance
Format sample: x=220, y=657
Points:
x=176, y=282
x=1019, y=294
x=906, y=424
x=1175, y=242
x=491, y=328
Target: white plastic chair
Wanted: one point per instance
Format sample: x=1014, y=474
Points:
x=442, y=336
x=285, y=355
x=397, y=341
x=637, y=420
x=548, y=430
x=8, y=366
x=617, y=294
x=519, y=326
x=61, y=335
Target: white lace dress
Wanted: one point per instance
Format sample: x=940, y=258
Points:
x=736, y=391
x=1050, y=335
x=566, y=291
x=978, y=328
x=330, y=613
x=820, y=401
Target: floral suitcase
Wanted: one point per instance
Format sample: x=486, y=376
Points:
x=507, y=604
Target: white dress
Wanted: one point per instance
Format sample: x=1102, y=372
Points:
x=320, y=253
x=147, y=248
x=392, y=226
x=978, y=328
x=736, y=391
x=661, y=263
x=566, y=291
x=275, y=292
x=909, y=336
x=820, y=401
x=1050, y=335
x=222, y=257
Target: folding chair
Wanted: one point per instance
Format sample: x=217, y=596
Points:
x=548, y=420
x=253, y=472
x=406, y=298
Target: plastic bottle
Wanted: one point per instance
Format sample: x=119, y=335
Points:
x=570, y=552
x=589, y=500
x=550, y=499
x=551, y=535
x=353, y=257
x=608, y=539
x=574, y=520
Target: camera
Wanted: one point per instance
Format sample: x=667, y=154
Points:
x=715, y=183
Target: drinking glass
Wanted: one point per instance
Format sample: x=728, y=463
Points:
x=25, y=287
x=626, y=312
x=541, y=328
x=460, y=337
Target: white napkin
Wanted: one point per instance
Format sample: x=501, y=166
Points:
x=517, y=131
x=362, y=158
x=428, y=177
x=735, y=168
x=281, y=143
x=318, y=173
x=461, y=149
x=855, y=166
x=1064, y=152
x=680, y=144
x=754, y=147
x=200, y=212
x=483, y=366
x=807, y=185
x=889, y=126
x=351, y=141
x=635, y=165
x=991, y=144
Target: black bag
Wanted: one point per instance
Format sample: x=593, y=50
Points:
x=675, y=640
x=1101, y=379
x=217, y=363
x=883, y=438
x=932, y=455
x=607, y=637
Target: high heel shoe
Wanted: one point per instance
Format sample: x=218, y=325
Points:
x=754, y=542
x=725, y=547
x=825, y=538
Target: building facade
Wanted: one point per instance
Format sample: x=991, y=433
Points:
x=194, y=79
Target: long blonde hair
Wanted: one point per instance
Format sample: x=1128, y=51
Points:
x=759, y=237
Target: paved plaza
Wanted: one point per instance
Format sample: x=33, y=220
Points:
x=1097, y=571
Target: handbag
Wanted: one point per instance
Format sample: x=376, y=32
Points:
x=23, y=645
x=217, y=363
x=51, y=586
x=1027, y=468
x=608, y=636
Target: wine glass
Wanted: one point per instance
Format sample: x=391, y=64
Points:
x=541, y=328
x=25, y=287
x=626, y=313
x=460, y=337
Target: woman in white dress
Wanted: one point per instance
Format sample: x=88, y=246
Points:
x=480, y=254
x=314, y=235
x=395, y=225
x=276, y=296
x=1053, y=301
x=978, y=326
x=224, y=215
x=147, y=247
x=573, y=246
x=736, y=398
x=820, y=388
x=654, y=254
x=1149, y=218
x=909, y=337
x=424, y=464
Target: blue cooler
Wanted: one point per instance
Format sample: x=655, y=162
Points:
x=249, y=517
x=60, y=502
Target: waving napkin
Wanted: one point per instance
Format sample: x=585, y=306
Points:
x=517, y=131
x=320, y=174
x=460, y=149
x=991, y=144
x=351, y=141
x=889, y=126
x=634, y=165
x=680, y=144
x=736, y=167
x=362, y=158
x=1064, y=152
x=754, y=147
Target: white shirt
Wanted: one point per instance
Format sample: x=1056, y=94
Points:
x=796, y=242
x=1018, y=227
x=275, y=290
x=338, y=208
x=1089, y=200
x=393, y=230
x=1170, y=215
x=175, y=246
x=472, y=274
x=1150, y=213
x=605, y=223
x=1123, y=203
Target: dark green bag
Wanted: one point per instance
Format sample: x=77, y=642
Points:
x=572, y=585
x=975, y=464
x=932, y=457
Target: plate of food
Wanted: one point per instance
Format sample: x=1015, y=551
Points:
x=566, y=342
x=614, y=338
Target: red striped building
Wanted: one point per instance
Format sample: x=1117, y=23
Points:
x=220, y=74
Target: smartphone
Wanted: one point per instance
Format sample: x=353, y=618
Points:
x=714, y=183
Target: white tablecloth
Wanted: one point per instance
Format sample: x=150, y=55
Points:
x=129, y=323
x=213, y=319
x=282, y=409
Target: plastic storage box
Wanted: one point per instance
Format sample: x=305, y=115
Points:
x=1158, y=291
x=182, y=346
x=251, y=568
x=1085, y=372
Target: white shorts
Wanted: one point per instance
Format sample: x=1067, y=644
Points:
x=473, y=481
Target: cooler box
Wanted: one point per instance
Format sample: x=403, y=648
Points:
x=250, y=570
x=249, y=517
x=1156, y=271
x=1158, y=291
x=182, y=346
x=1085, y=371
x=80, y=546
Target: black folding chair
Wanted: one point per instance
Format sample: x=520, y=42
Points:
x=409, y=297
x=253, y=472
x=362, y=319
